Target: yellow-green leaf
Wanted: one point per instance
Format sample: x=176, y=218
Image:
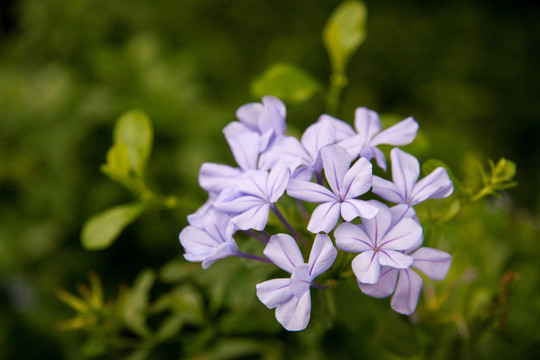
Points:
x=100, y=231
x=287, y=82
x=344, y=32
x=134, y=129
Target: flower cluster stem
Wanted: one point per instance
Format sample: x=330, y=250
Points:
x=293, y=232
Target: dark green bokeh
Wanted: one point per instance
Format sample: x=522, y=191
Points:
x=466, y=70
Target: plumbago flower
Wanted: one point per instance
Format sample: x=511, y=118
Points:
x=347, y=183
x=291, y=296
x=370, y=135
x=405, y=189
x=270, y=164
x=379, y=242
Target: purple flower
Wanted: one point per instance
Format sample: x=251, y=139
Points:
x=368, y=126
x=404, y=189
x=250, y=198
x=307, y=151
x=210, y=242
x=291, y=296
x=266, y=120
x=346, y=184
x=379, y=241
x=406, y=284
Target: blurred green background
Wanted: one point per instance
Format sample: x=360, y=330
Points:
x=466, y=70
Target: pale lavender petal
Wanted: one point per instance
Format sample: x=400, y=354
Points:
x=283, y=251
x=380, y=158
x=366, y=267
x=215, y=223
x=287, y=147
x=324, y=217
x=274, y=292
x=435, y=186
x=222, y=251
x=343, y=130
x=278, y=179
x=432, y=262
x=407, y=292
x=400, y=134
x=353, y=144
x=252, y=182
x=197, y=218
x=401, y=236
x=366, y=122
x=336, y=161
x=197, y=243
x=236, y=128
x=249, y=115
x=353, y=208
x=238, y=205
x=358, y=179
x=294, y=315
x=377, y=226
x=387, y=190
x=402, y=211
x=322, y=256
x=405, y=172
x=254, y=218
x=272, y=116
x=303, y=173
x=215, y=177
x=394, y=259
x=308, y=191
x=352, y=238
x=300, y=280
x=245, y=149
x=384, y=287
x=317, y=136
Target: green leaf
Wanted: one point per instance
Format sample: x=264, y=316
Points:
x=135, y=308
x=287, y=82
x=100, y=231
x=134, y=129
x=118, y=165
x=344, y=32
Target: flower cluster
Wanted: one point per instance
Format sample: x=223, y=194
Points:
x=329, y=166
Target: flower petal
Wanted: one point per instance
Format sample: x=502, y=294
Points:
x=358, y=179
x=434, y=186
x=272, y=116
x=308, y=191
x=352, y=238
x=317, y=136
x=274, y=292
x=407, y=291
x=432, y=262
x=197, y=243
x=239, y=204
x=343, y=130
x=366, y=122
x=400, y=134
x=254, y=218
x=405, y=172
x=283, y=251
x=387, y=190
x=336, y=161
x=366, y=267
x=215, y=177
x=352, y=208
x=384, y=287
x=322, y=256
x=324, y=217
x=278, y=179
x=377, y=226
x=245, y=149
x=394, y=259
x=300, y=280
x=222, y=251
x=294, y=315
x=402, y=236
x=249, y=115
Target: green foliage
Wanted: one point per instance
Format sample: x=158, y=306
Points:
x=287, y=82
x=102, y=229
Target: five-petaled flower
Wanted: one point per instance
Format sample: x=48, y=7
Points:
x=347, y=185
x=380, y=243
x=291, y=296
